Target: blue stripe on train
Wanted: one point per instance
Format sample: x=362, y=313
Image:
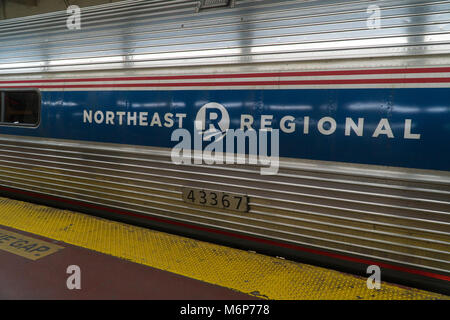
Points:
x=427, y=108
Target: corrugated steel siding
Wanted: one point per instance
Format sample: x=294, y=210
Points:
x=159, y=33
x=368, y=211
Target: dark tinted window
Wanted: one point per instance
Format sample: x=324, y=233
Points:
x=20, y=107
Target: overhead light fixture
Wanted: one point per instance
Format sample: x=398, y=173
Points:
x=206, y=4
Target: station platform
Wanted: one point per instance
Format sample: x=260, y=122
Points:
x=41, y=248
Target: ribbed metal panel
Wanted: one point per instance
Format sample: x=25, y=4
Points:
x=137, y=34
x=382, y=213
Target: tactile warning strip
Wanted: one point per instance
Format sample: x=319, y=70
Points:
x=248, y=272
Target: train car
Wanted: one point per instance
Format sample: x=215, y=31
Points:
x=312, y=130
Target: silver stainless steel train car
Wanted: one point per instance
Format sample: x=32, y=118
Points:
x=316, y=130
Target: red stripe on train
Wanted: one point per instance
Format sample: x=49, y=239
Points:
x=231, y=234
x=246, y=83
x=248, y=75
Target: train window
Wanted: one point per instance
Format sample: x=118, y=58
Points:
x=19, y=107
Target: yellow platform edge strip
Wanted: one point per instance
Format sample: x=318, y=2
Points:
x=243, y=271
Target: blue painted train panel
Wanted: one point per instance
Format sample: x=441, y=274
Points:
x=396, y=127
